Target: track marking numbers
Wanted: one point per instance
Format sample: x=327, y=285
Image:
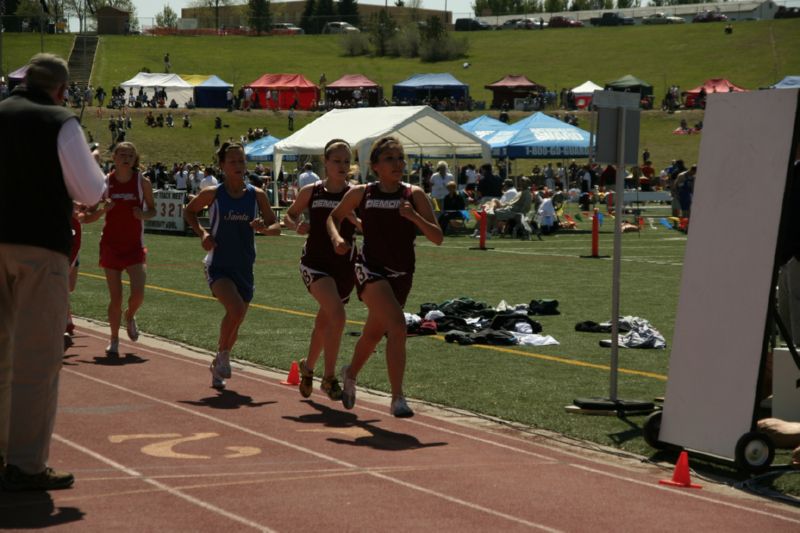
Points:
x=166, y=443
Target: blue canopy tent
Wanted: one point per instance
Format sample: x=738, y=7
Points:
x=484, y=126
x=212, y=92
x=488, y=128
x=789, y=82
x=262, y=150
x=540, y=136
x=420, y=87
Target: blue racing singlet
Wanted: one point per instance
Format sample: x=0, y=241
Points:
x=230, y=220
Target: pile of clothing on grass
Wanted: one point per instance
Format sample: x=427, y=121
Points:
x=635, y=332
x=465, y=321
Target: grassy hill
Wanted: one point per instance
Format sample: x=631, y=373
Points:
x=757, y=54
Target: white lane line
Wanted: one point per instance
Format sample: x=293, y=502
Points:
x=686, y=494
x=468, y=436
x=319, y=455
x=175, y=492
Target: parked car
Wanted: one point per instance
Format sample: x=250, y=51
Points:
x=285, y=28
x=662, y=18
x=710, y=16
x=471, y=25
x=564, y=22
x=339, y=27
x=611, y=19
x=787, y=12
x=510, y=24
x=531, y=24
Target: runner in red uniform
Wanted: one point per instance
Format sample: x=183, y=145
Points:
x=129, y=202
x=391, y=212
x=327, y=275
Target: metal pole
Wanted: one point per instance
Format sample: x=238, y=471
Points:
x=2, y=13
x=615, y=281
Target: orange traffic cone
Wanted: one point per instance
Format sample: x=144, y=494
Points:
x=681, y=477
x=294, y=375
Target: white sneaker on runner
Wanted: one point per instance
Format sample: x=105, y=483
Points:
x=217, y=383
x=349, y=389
x=133, y=330
x=222, y=365
x=112, y=350
x=400, y=408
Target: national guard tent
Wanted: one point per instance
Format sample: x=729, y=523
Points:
x=512, y=86
x=343, y=89
x=175, y=86
x=540, y=136
x=284, y=89
x=422, y=131
x=583, y=93
x=209, y=91
x=428, y=86
x=789, y=82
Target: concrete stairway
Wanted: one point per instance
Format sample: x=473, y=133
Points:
x=81, y=59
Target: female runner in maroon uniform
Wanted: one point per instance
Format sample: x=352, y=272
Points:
x=129, y=203
x=327, y=275
x=391, y=212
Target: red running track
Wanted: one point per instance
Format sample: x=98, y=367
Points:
x=154, y=448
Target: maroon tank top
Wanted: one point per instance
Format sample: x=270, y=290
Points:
x=388, y=237
x=318, y=248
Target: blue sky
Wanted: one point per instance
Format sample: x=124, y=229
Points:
x=149, y=8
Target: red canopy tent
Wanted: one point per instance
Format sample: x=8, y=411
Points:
x=283, y=89
x=344, y=88
x=510, y=87
x=713, y=85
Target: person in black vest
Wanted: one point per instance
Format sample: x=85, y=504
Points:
x=34, y=263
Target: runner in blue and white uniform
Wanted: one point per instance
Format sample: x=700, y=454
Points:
x=234, y=208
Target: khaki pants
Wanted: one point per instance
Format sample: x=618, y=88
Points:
x=33, y=312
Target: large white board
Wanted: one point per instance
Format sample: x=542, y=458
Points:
x=725, y=286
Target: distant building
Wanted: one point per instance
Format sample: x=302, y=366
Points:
x=237, y=16
x=112, y=21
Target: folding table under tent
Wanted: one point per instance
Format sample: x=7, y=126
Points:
x=283, y=89
x=540, y=136
x=176, y=87
x=422, y=131
x=343, y=89
x=583, y=93
x=428, y=86
x=510, y=87
x=209, y=91
x=713, y=85
x=789, y=82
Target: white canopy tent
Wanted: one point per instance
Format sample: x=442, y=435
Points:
x=422, y=131
x=175, y=86
x=583, y=93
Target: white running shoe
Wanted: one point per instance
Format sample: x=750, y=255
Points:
x=349, y=391
x=217, y=383
x=112, y=350
x=133, y=330
x=400, y=408
x=222, y=365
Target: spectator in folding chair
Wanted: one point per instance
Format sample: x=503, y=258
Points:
x=452, y=207
x=503, y=212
